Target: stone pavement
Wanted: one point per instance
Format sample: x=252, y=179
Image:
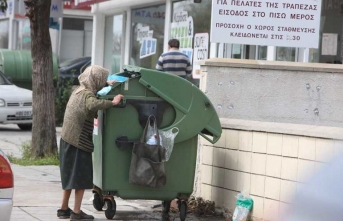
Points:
x=37, y=190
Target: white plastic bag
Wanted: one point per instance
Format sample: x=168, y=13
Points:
x=166, y=138
x=244, y=204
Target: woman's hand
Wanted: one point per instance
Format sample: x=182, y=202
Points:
x=116, y=100
x=111, y=82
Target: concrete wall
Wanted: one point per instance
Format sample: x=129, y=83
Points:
x=270, y=144
x=301, y=93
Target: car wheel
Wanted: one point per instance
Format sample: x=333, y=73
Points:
x=25, y=126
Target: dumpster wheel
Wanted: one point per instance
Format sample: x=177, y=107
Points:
x=166, y=207
x=110, y=211
x=98, y=202
x=183, y=210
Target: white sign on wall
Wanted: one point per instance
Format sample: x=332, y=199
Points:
x=56, y=10
x=200, y=52
x=182, y=28
x=287, y=23
x=148, y=47
x=144, y=32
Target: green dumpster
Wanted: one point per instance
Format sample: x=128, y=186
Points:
x=17, y=64
x=176, y=103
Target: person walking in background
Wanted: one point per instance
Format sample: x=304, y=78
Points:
x=174, y=61
x=76, y=144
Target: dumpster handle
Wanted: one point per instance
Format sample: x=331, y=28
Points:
x=123, y=143
x=214, y=140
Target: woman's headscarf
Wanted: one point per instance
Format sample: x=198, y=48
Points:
x=93, y=78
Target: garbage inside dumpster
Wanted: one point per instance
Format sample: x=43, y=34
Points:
x=244, y=204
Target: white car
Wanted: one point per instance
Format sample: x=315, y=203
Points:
x=15, y=104
x=6, y=188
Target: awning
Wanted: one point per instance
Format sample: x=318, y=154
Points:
x=112, y=6
x=82, y=4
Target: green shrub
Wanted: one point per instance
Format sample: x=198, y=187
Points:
x=63, y=92
x=28, y=160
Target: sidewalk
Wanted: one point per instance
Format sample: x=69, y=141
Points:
x=37, y=193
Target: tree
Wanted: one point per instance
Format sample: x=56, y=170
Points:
x=44, y=128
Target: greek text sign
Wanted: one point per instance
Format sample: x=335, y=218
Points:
x=288, y=23
x=200, y=52
x=182, y=28
x=148, y=47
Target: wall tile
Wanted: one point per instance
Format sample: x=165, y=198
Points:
x=206, y=192
x=259, y=143
x=207, y=155
x=231, y=159
x=218, y=157
x=245, y=140
x=218, y=196
x=243, y=181
x=284, y=210
x=206, y=174
x=222, y=141
x=257, y=185
x=257, y=211
x=289, y=168
x=230, y=181
x=290, y=146
x=324, y=150
x=204, y=142
x=271, y=210
x=338, y=147
x=232, y=139
x=218, y=177
x=258, y=163
x=273, y=167
x=307, y=148
x=272, y=188
x=244, y=161
x=300, y=188
x=288, y=190
x=305, y=170
x=230, y=199
x=319, y=166
x=274, y=144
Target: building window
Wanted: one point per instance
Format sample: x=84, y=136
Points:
x=285, y=54
x=4, y=27
x=113, y=42
x=147, y=35
x=262, y=53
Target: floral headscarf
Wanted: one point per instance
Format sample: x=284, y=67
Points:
x=93, y=78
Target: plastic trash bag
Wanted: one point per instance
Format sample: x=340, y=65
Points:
x=244, y=204
x=104, y=90
x=117, y=78
x=166, y=139
x=113, y=77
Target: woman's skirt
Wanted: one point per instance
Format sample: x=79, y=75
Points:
x=76, y=167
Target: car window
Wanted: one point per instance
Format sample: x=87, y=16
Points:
x=4, y=80
x=72, y=62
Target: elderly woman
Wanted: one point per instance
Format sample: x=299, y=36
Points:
x=76, y=145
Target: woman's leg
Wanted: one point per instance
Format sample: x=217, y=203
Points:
x=65, y=199
x=78, y=200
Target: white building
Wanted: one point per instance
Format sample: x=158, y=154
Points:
x=73, y=41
